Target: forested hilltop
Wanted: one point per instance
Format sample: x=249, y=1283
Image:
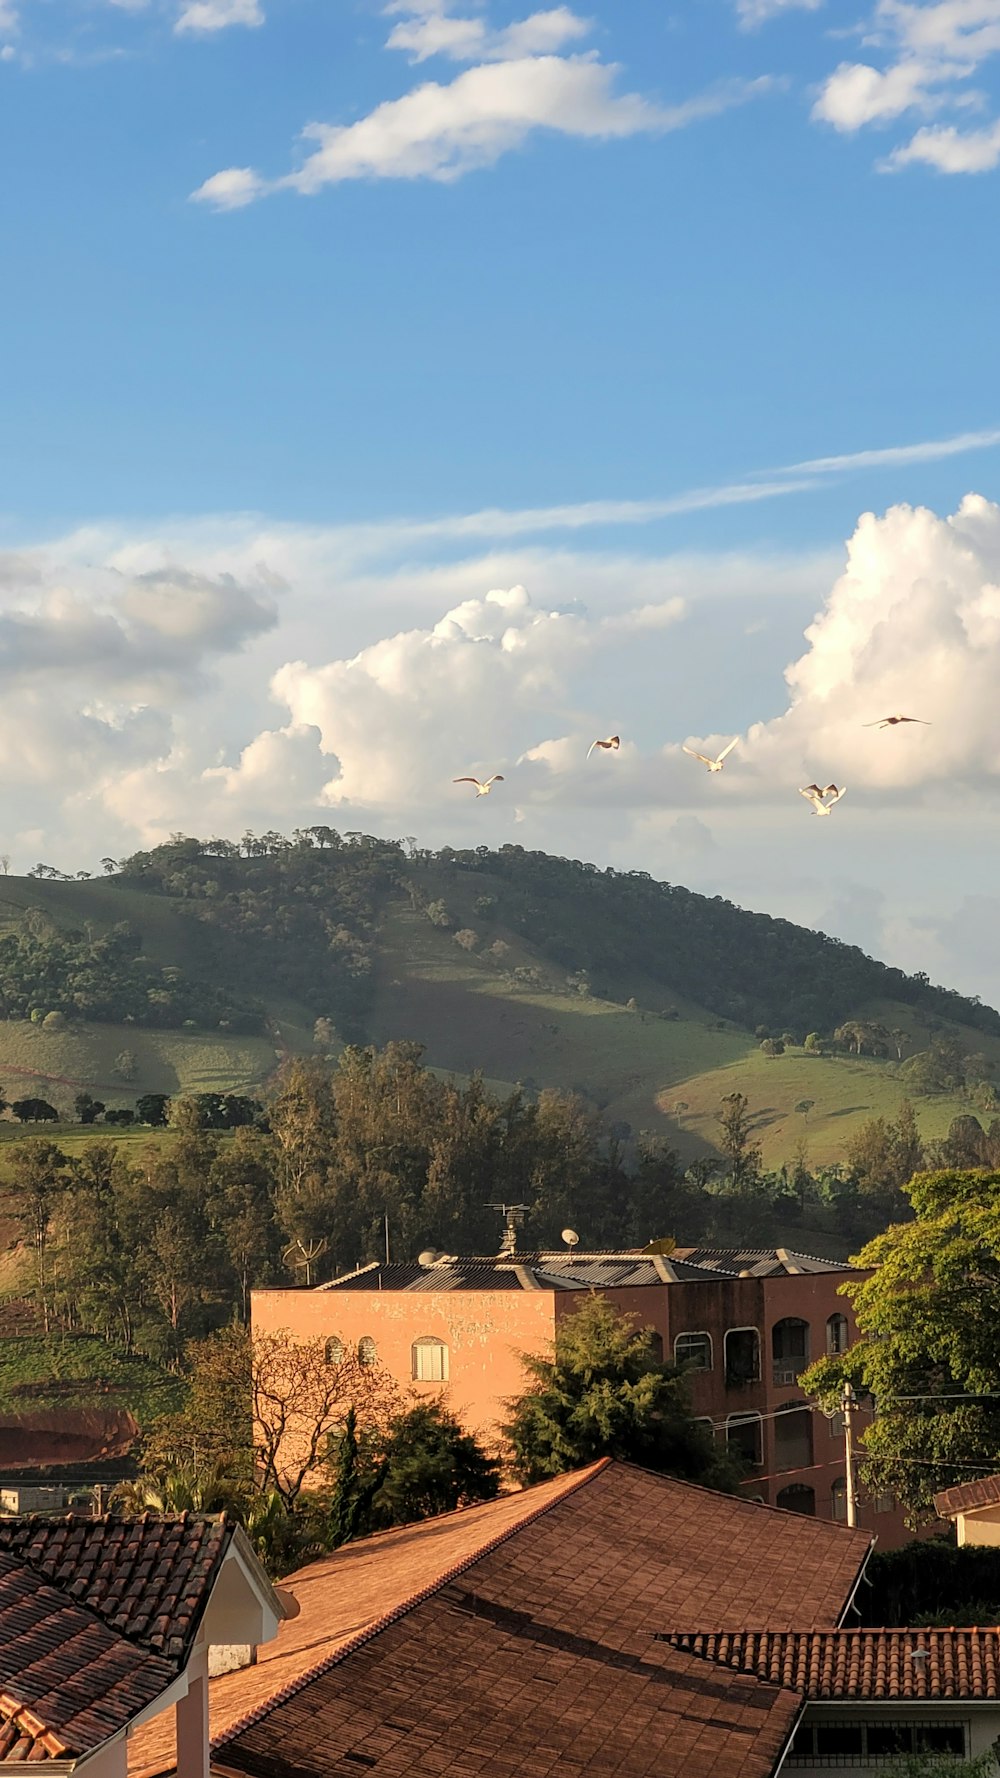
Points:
x=203, y=964
x=309, y=910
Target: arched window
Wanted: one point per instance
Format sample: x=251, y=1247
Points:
x=793, y=1437
x=744, y=1436
x=742, y=1356
x=335, y=1350
x=836, y=1334
x=693, y=1351
x=429, y=1360
x=838, y=1499
x=367, y=1351
x=797, y=1498
x=789, y=1349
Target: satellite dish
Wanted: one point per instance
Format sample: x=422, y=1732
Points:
x=429, y=1257
x=571, y=1238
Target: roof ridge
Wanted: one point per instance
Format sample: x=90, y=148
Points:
x=578, y=1479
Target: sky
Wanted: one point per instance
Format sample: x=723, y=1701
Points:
x=399, y=391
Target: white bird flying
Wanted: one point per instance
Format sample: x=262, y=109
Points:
x=714, y=765
x=823, y=800
x=891, y=722
x=481, y=788
x=612, y=743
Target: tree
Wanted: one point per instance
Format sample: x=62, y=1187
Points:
x=87, y=1108
x=927, y=1313
x=736, y=1141
x=605, y=1393
x=431, y=1465
x=467, y=938
x=151, y=1108
x=125, y=1066
x=34, y=1111
x=39, y=1171
x=773, y=1047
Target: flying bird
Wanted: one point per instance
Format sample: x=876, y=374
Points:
x=481, y=788
x=891, y=721
x=714, y=765
x=612, y=744
x=823, y=800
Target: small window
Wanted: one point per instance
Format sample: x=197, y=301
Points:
x=838, y=1425
x=335, y=1350
x=836, y=1335
x=693, y=1351
x=789, y=1349
x=429, y=1360
x=744, y=1436
x=797, y=1498
x=742, y=1357
x=838, y=1499
x=838, y=1741
x=884, y=1501
x=367, y=1351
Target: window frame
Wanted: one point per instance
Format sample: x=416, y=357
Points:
x=367, y=1351
x=695, y=1333
x=429, y=1343
x=733, y=1381
x=833, y=1351
x=752, y=1416
x=331, y=1358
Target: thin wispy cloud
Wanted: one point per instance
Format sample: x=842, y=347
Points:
x=752, y=13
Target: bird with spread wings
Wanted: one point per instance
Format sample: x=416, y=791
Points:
x=482, y=789
x=714, y=765
x=611, y=745
x=893, y=721
x=823, y=799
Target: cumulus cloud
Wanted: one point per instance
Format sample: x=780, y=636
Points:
x=929, y=53
x=911, y=627
x=517, y=86
x=204, y=17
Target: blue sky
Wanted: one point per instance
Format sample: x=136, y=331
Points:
x=258, y=385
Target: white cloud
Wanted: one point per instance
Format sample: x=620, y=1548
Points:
x=517, y=86
x=949, y=150
x=430, y=30
x=912, y=627
x=759, y=12
x=208, y=16
x=232, y=189
x=930, y=52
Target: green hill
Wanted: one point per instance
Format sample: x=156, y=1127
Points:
x=205, y=963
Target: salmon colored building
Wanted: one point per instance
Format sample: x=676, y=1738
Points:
x=743, y=1323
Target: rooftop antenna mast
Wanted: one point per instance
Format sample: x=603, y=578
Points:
x=513, y=1219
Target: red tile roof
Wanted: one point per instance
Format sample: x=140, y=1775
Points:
x=967, y=1496
x=148, y=1578
x=887, y=1665
x=67, y=1681
x=538, y=1646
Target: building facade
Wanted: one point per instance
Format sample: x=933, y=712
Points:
x=744, y=1324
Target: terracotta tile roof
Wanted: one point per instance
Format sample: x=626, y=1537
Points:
x=967, y=1496
x=870, y=1664
x=567, y=1584
x=148, y=1578
x=67, y=1681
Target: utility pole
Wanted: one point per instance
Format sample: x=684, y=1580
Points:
x=848, y=1405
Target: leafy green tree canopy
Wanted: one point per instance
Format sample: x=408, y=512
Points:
x=606, y=1393
x=928, y=1312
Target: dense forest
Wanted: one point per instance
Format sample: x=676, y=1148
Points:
x=304, y=913
x=149, y=1248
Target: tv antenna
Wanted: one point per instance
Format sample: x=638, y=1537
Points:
x=513, y=1219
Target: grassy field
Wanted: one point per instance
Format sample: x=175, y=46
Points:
x=39, y=1372
x=56, y=1065
x=846, y=1092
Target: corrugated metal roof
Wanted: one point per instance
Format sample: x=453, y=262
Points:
x=550, y=1271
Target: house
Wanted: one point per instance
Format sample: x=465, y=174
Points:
x=106, y=1623
x=522, y=1636
x=745, y=1323
x=975, y=1509
x=552, y=1630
